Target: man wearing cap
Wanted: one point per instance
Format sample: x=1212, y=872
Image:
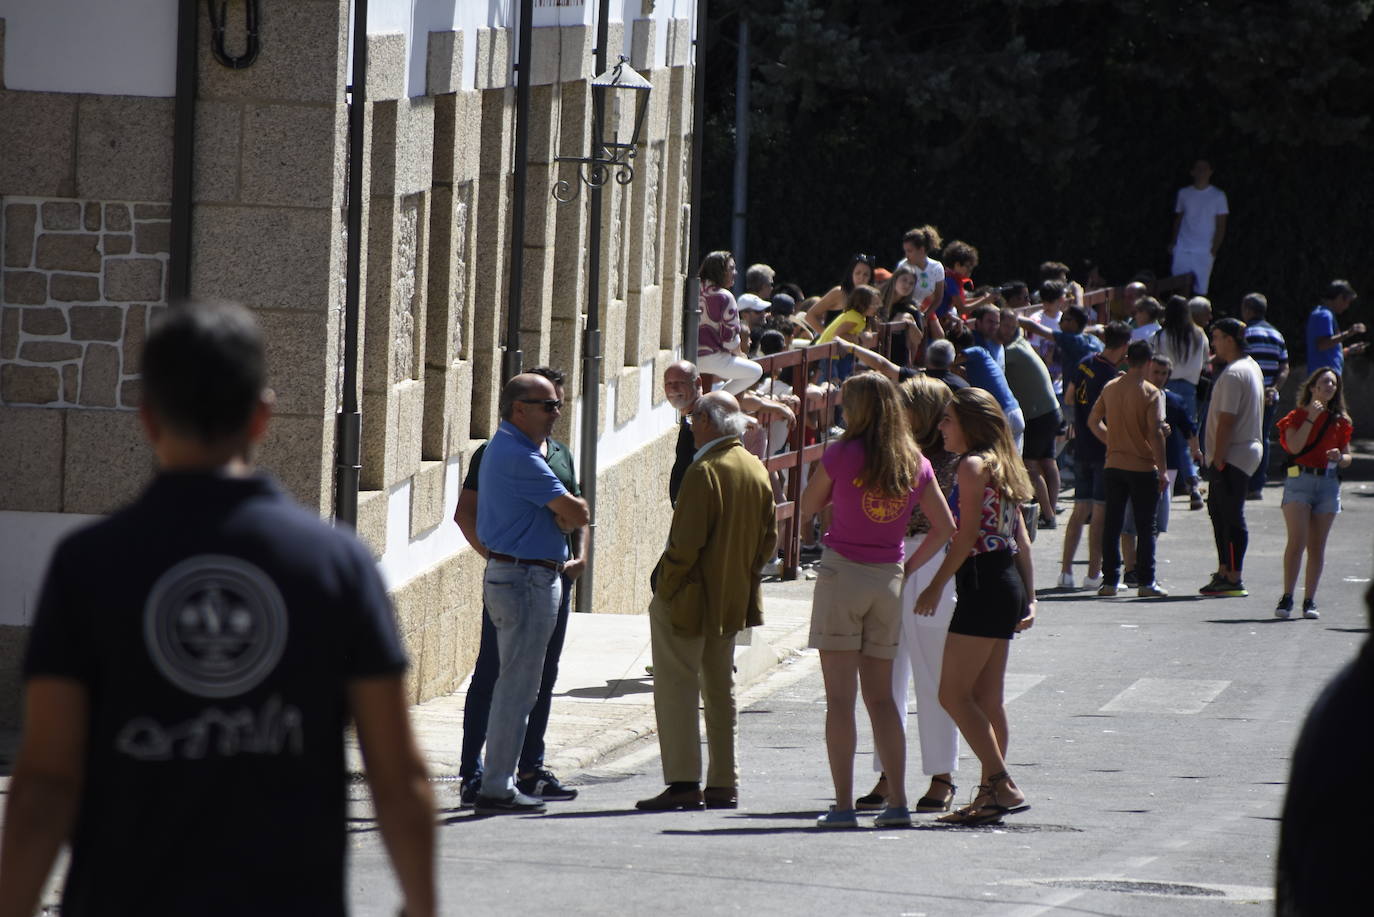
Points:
x=1233, y=452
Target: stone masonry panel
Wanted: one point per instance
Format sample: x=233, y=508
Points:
x=78, y=278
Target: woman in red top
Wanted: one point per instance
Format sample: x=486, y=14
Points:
x=1316, y=435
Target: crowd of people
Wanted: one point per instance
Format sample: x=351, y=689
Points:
x=962, y=411
x=215, y=638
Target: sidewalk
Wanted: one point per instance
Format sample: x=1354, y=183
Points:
x=604, y=697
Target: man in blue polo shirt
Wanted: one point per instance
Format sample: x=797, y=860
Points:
x=1324, y=347
x=1266, y=346
x=522, y=519
x=981, y=369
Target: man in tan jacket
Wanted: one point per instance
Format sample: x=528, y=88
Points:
x=706, y=590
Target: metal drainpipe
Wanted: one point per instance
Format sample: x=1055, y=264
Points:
x=691, y=286
x=349, y=421
x=512, y=360
x=183, y=151
x=591, y=338
x=741, y=216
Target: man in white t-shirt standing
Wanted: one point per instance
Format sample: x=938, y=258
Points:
x=1199, y=226
x=1233, y=452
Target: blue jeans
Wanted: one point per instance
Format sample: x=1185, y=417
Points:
x=1262, y=472
x=522, y=602
x=477, y=707
x=1188, y=392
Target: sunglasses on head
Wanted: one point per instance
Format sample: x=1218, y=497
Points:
x=870, y=260
x=550, y=404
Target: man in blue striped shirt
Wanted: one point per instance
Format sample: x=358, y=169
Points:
x=1266, y=346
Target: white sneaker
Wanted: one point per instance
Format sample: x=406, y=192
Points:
x=773, y=567
x=1092, y=582
x=1066, y=581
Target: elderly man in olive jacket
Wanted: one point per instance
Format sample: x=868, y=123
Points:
x=707, y=590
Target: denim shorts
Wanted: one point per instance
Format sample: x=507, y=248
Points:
x=1322, y=493
x=1089, y=482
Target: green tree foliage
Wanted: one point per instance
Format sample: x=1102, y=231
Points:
x=1040, y=129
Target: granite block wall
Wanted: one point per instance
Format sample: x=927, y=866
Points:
x=84, y=241
x=80, y=281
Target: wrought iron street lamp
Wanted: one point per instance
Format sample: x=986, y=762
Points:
x=613, y=156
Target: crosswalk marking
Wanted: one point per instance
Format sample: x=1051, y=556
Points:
x=1165, y=695
x=1017, y=684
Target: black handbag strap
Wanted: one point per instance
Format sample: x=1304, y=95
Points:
x=1311, y=443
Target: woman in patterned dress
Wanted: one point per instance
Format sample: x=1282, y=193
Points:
x=990, y=563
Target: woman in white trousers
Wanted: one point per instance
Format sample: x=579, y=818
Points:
x=922, y=646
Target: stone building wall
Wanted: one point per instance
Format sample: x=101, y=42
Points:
x=84, y=204
x=81, y=281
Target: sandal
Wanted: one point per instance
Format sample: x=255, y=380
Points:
x=930, y=804
x=876, y=800
x=985, y=808
x=962, y=815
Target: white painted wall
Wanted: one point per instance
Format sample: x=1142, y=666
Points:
x=403, y=559
x=27, y=541
x=416, y=18
x=107, y=47
x=128, y=47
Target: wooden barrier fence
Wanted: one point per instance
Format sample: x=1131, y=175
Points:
x=798, y=453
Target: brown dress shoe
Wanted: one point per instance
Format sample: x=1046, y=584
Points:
x=670, y=799
x=722, y=797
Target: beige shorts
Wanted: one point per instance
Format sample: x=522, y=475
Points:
x=856, y=606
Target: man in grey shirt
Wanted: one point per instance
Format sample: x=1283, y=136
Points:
x=1233, y=451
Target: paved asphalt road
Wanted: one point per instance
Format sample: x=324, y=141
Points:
x=1152, y=737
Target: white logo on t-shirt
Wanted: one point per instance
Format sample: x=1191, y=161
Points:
x=215, y=626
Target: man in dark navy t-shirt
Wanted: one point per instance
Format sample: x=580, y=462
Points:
x=193, y=663
x=1082, y=386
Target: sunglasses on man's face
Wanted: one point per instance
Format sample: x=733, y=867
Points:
x=550, y=404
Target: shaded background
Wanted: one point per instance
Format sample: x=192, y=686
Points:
x=1051, y=130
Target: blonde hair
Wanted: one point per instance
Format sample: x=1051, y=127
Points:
x=875, y=418
x=925, y=400
x=987, y=433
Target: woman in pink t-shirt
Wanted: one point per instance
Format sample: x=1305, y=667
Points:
x=872, y=478
x=990, y=562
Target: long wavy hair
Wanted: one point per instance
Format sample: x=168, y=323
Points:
x=891, y=298
x=988, y=434
x=876, y=419
x=925, y=400
x=1337, y=403
x=713, y=267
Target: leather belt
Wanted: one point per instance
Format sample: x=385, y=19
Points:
x=555, y=565
x=1308, y=469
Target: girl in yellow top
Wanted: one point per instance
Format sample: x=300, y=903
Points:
x=862, y=304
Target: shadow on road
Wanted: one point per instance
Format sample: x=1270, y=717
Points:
x=618, y=687
x=1019, y=828
x=1269, y=620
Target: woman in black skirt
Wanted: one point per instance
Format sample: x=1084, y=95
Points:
x=990, y=562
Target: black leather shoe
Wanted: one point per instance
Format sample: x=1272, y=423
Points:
x=670, y=800
x=721, y=797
